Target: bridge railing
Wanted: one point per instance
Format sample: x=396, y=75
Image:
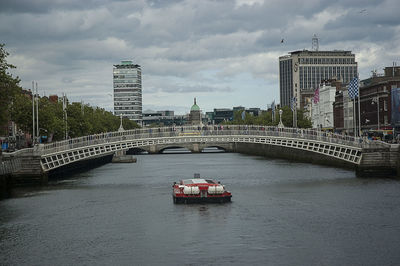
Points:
x=10, y=166
x=226, y=130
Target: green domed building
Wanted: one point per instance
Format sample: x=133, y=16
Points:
x=195, y=114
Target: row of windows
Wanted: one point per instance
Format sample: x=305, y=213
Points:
x=125, y=99
x=127, y=76
x=324, y=60
x=138, y=85
x=127, y=71
x=126, y=81
x=127, y=112
x=126, y=104
x=311, y=77
x=128, y=108
x=127, y=92
x=124, y=90
x=138, y=94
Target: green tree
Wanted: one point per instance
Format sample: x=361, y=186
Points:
x=87, y=120
x=265, y=118
x=9, y=87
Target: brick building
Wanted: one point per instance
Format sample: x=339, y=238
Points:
x=376, y=103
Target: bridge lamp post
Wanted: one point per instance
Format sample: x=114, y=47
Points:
x=121, y=128
x=280, y=125
x=376, y=100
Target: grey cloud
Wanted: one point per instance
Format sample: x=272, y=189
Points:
x=182, y=88
x=184, y=46
x=45, y=6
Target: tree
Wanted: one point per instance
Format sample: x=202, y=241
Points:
x=9, y=87
x=265, y=118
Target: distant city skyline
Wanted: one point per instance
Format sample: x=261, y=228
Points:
x=224, y=53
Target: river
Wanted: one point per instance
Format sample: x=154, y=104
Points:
x=282, y=213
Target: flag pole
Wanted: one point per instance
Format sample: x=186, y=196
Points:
x=33, y=113
x=359, y=104
x=354, y=118
x=37, y=114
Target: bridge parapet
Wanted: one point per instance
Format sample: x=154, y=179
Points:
x=230, y=130
x=240, y=138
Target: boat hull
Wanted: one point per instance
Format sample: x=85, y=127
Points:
x=188, y=200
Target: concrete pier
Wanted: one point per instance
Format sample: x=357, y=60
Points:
x=122, y=157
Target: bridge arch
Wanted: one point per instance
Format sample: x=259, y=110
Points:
x=184, y=149
x=218, y=147
x=136, y=150
x=266, y=141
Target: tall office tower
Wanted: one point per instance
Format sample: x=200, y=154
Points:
x=301, y=72
x=127, y=82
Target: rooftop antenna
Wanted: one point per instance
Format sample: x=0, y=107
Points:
x=315, y=44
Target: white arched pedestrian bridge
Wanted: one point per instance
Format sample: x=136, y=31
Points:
x=235, y=138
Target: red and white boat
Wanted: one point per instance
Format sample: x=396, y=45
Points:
x=199, y=190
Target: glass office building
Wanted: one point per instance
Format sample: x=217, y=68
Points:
x=127, y=81
x=301, y=72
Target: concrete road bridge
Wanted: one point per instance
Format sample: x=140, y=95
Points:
x=308, y=145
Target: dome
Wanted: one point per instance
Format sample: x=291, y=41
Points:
x=195, y=107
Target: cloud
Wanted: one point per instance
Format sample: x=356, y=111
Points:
x=224, y=52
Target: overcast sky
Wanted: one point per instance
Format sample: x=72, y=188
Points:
x=224, y=53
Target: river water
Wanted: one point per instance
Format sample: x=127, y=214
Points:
x=282, y=213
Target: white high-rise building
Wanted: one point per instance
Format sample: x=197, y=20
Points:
x=301, y=72
x=127, y=81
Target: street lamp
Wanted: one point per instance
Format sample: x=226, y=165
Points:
x=376, y=100
x=121, y=128
x=280, y=125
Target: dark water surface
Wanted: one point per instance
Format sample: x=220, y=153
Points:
x=282, y=213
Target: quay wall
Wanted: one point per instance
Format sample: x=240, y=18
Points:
x=5, y=185
x=380, y=162
x=29, y=172
x=375, y=162
x=274, y=151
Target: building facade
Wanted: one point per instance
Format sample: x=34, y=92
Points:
x=163, y=118
x=127, y=81
x=195, y=114
x=376, y=95
x=343, y=110
x=222, y=115
x=301, y=72
x=322, y=111
x=378, y=108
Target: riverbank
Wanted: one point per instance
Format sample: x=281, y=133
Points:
x=5, y=186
